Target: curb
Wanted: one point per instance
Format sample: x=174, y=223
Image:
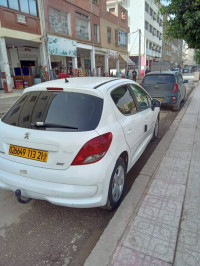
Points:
x=102, y=253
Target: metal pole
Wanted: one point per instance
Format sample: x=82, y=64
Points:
x=139, y=56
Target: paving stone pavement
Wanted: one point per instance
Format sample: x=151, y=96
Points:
x=166, y=228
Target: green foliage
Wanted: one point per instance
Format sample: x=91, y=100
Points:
x=197, y=56
x=184, y=21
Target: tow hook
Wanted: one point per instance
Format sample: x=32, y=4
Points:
x=18, y=196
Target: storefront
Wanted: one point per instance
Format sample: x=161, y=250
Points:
x=23, y=60
x=62, y=55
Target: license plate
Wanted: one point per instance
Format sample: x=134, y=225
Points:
x=159, y=99
x=28, y=153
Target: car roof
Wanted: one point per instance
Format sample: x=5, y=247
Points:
x=92, y=85
x=161, y=72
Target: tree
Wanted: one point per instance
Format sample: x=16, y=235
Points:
x=197, y=56
x=184, y=20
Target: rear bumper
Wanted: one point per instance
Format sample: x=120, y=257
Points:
x=58, y=194
x=90, y=189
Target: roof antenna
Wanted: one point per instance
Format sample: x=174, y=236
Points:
x=66, y=80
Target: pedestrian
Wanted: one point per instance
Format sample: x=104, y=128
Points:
x=147, y=70
x=62, y=74
x=42, y=74
x=134, y=74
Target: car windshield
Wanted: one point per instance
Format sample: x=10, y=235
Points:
x=55, y=111
x=159, y=79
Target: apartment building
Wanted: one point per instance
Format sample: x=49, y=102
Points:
x=146, y=30
x=21, y=47
x=76, y=33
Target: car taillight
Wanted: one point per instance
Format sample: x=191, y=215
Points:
x=175, y=87
x=93, y=150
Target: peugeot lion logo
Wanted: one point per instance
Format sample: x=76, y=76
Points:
x=27, y=135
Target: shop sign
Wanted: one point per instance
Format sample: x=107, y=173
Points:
x=62, y=46
x=112, y=54
x=21, y=18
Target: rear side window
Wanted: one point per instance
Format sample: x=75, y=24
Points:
x=124, y=100
x=66, y=109
x=159, y=79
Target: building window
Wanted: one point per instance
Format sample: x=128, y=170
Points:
x=122, y=38
x=116, y=37
x=95, y=2
x=123, y=15
x=109, y=35
x=112, y=11
x=151, y=12
x=150, y=28
x=146, y=25
x=58, y=21
x=150, y=46
x=96, y=33
x=147, y=44
x=146, y=7
x=82, y=26
x=25, y=6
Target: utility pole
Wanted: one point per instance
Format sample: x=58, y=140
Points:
x=139, y=55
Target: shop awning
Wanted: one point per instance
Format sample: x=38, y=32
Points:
x=127, y=59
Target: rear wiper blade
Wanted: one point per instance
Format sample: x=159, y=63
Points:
x=43, y=124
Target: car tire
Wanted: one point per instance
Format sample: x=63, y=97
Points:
x=116, y=187
x=156, y=130
x=177, y=106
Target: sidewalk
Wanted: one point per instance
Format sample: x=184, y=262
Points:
x=160, y=226
x=15, y=93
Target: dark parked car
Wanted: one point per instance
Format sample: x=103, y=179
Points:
x=167, y=86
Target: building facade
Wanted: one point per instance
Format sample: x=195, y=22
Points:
x=21, y=46
x=76, y=33
x=146, y=30
x=50, y=35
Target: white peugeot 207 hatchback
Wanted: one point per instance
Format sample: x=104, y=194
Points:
x=71, y=142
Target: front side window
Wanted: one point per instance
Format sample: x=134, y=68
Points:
x=143, y=99
x=58, y=21
x=82, y=26
x=124, y=100
x=60, y=111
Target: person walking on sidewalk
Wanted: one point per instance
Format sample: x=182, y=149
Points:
x=63, y=75
x=134, y=74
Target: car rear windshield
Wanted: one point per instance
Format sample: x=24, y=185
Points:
x=159, y=79
x=68, y=111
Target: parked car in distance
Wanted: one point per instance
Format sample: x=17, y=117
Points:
x=71, y=142
x=167, y=86
x=186, y=70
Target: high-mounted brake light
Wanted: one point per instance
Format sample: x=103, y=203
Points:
x=54, y=89
x=93, y=150
x=175, y=88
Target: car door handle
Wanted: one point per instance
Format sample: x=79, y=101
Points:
x=130, y=131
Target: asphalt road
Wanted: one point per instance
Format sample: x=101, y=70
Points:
x=40, y=233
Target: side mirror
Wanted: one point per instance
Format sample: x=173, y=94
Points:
x=155, y=103
x=185, y=81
